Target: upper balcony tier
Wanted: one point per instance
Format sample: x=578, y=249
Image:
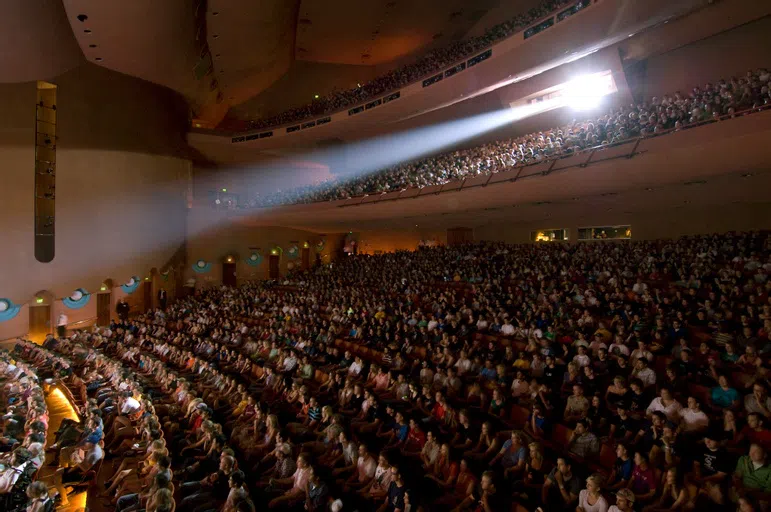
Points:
x=558, y=40
x=729, y=148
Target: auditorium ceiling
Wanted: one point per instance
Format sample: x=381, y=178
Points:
x=221, y=54
x=248, y=58
x=36, y=42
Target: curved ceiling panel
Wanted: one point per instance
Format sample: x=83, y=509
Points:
x=36, y=42
x=380, y=31
x=252, y=43
x=150, y=39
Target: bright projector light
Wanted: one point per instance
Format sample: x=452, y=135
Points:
x=585, y=92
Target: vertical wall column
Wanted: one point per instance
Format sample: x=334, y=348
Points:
x=45, y=172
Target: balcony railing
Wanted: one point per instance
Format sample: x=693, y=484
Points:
x=620, y=149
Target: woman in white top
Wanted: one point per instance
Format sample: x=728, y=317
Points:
x=591, y=499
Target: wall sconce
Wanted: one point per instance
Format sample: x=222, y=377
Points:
x=103, y=288
x=306, y=245
x=273, y=252
x=229, y=259
x=39, y=300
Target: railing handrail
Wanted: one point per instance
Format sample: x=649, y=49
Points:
x=592, y=149
x=72, y=325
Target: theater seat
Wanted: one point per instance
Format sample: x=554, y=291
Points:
x=519, y=416
x=701, y=393
x=560, y=438
x=607, y=458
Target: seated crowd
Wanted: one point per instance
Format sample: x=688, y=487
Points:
x=431, y=62
x=591, y=377
x=24, y=427
x=732, y=96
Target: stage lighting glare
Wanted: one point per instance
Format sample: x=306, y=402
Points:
x=585, y=92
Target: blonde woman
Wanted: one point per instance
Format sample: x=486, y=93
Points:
x=571, y=377
x=486, y=447
x=591, y=498
x=616, y=391
x=161, y=501
x=535, y=467
x=268, y=438
x=675, y=495
x=39, y=500
x=144, y=465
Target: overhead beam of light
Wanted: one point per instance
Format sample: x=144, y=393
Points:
x=359, y=159
x=387, y=151
x=363, y=158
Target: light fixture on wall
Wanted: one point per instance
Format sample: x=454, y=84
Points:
x=39, y=300
x=273, y=252
x=229, y=259
x=306, y=245
x=103, y=288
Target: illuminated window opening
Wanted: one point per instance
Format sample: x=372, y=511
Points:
x=549, y=235
x=623, y=232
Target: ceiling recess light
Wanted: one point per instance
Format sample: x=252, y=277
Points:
x=215, y=36
x=92, y=46
x=215, y=13
x=98, y=59
x=82, y=17
x=87, y=31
